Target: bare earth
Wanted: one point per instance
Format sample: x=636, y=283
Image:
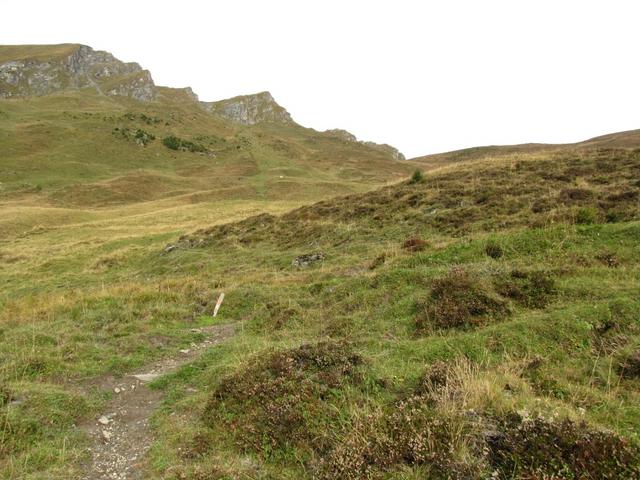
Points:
x=121, y=436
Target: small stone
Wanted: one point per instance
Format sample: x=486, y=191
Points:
x=117, y=390
x=185, y=351
x=146, y=377
x=106, y=435
x=103, y=420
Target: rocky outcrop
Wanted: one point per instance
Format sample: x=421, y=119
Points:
x=341, y=134
x=249, y=109
x=392, y=151
x=69, y=67
x=350, y=137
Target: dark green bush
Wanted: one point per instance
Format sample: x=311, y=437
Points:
x=172, y=142
x=417, y=177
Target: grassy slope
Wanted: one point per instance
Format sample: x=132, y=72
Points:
x=36, y=52
x=369, y=291
x=82, y=209
x=101, y=297
x=628, y=139
x=88, y=291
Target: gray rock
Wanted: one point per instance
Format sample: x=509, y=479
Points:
x=146, y=377
x=307, y=259
x=79, y=67
x=249, y=109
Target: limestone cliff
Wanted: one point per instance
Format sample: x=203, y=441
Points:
x=44, y=69
x=249, y=109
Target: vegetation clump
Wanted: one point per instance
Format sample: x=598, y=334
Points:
x=629, y=367
x=530, y=289
x=608, y=259
x=540, y=448
x=459, y=300
x=414, y=244
x=411, y=433
x=141, y=137
x=5, y=395
x=417, y=177
x=586, y=216
x=285, y=398
x=174, y=143
x=493, y=250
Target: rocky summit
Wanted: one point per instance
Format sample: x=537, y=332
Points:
x=25, y=71
x=249, y=109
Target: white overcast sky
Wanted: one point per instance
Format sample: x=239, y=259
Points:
x=424, y=76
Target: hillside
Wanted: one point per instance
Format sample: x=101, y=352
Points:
x=628, y=139
x=435, y=328
x=78, y=136
x=479, y=319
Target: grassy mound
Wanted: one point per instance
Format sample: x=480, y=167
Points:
x=540, y=448
x=285, y=399
x=459, y=300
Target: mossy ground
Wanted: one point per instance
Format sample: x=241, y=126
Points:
x=335, y=352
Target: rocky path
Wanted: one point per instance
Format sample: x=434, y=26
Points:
x=121, y=436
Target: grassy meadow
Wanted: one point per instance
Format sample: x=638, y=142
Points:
x=481, y=320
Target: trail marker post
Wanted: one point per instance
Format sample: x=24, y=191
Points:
x=218, y=303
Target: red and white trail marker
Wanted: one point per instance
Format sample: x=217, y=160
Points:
x=218, y=303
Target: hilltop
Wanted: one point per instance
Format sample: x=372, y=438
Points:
x=628, y=139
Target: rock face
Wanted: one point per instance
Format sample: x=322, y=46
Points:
x=342, y=135
x=350, y=137
x=41, y=70
x=249, y=109
x=392, y=151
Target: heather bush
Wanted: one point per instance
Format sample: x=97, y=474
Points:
x=539, y=448
x=459, y=300
x=530, y=289
x=284, y=398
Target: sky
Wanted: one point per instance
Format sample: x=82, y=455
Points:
x=424, y=76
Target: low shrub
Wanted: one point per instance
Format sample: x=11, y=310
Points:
x=609, y=259
x=284, y=398
x=172, y=142
x=417, y=177
x=175, y=143
x=459, y=300
x=586, y=216
x=530, y=289
x=493, y=250
x=141, y=137
x=629, y=367
x=379, y=261
x=412, y=433
x=539, y=448
x=414, y=244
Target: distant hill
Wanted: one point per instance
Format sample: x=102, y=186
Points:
x=628, y=139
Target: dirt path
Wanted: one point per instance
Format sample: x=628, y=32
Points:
x=122, y=436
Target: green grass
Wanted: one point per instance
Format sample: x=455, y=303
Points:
x=89, y=290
